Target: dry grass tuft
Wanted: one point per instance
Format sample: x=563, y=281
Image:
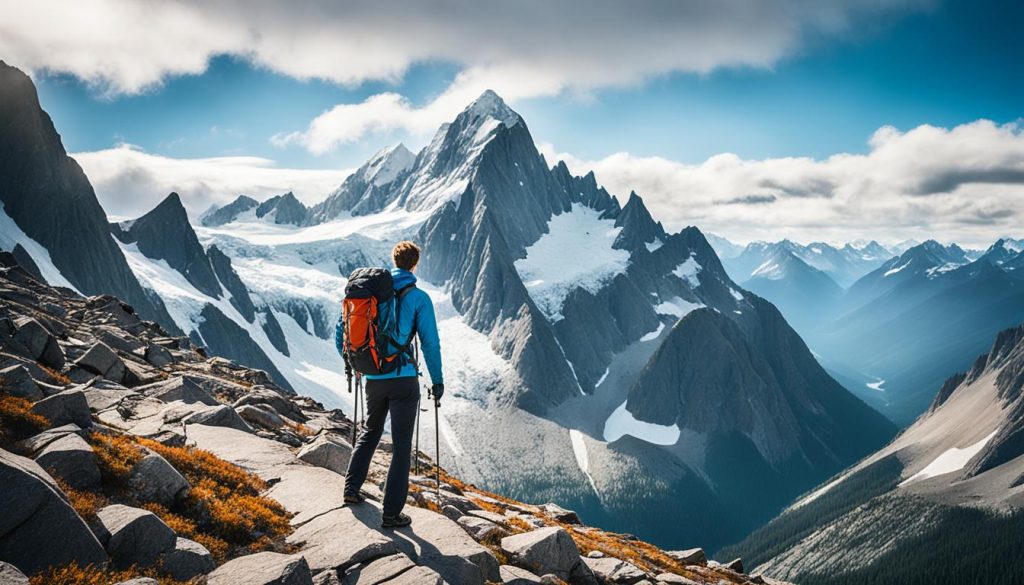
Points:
x=55, y=376
x=300, y=429
x=91, y=575
x=17, y=421
x=85, y=503
x=115, y=455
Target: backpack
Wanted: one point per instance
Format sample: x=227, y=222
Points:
x=370, y=322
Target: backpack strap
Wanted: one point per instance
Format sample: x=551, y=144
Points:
x=405, y=348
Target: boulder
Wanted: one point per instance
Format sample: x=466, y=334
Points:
x=452, y=513
x=418, y=576
x=133, y=536
x=71, y=459
x=325, y=550
x=328, y=452
x=613, y=570
x=17, y=381
x=40, y=344
x=10, y=575
x=481, y=529
x=545, y=550
x=265, y=568
x=69, y=406
x=158, y=356
x=181, y=388
x=492, y=516
x=260, y=415
x=263, y=457
x=140, y=581
x=561, y=514
x=692, y=556
x=153, y=479
x=219, y=416
x=515, y=576
x=37, y=443
x=378, y=571
x=102, y=361
x=735, y=565
x=188, y=559
x=34, y=514
x=436, y=542
x=446, y=498
x=274, y=400
x=117, y=338
x=326, y=578
x=138, y=373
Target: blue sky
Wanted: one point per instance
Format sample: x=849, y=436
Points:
x=837, y=115
x=945, y=65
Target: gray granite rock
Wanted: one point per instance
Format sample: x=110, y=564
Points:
x=34, y=510
x=545, y=550
x=265, y=568
x=10, y=575
x=153, y=479
x=69, y=406
x=102, y=361
x=188, y=559
x=328, y=451
x=17, y=381
x=133, y=536
x=71, y=459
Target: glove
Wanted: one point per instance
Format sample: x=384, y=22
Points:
x=437, y=391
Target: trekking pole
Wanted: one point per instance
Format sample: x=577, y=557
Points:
x=416, y=452
x=437, y=445
x=355, y=412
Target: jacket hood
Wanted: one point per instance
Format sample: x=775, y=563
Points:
x=402, y=278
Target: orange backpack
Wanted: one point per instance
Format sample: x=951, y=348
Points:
x=370, y=323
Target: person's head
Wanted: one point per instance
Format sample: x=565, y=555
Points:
x=406, y=255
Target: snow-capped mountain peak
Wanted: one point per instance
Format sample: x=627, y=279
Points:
x=387, y=164
x=490, y=105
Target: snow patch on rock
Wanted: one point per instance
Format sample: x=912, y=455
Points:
x=621, y=423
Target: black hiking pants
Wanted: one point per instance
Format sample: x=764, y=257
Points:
x=400, y=397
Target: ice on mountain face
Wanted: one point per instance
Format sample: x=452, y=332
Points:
x=897, y=269
x=576, y=252
x=579, y=449
x=688, y=271
x=652, y=246
x=937, y=270
x=11, y=235
x=876, y=385
x=769, y=270
x=603, y=377
x=951, y=460
x=387, y=164
x=736, y=294
x=621, y=423
x=388, y=225
x=1013, y=245
x=677, y=307
x=654, y=334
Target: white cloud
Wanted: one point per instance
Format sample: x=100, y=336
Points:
x=129, y=181
x=963, y=184
x=521, y=49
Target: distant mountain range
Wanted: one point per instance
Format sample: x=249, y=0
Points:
x=593, y=358
x=902, y=327
x=940, y=504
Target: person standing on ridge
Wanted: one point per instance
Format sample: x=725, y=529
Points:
x=396, y=392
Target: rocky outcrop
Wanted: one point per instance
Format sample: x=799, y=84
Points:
x=34, y=511
x=266, y=568
x=133, y=536
x=546, y=550
x=227, y=276
x=229, y=212
x=283, y=209
x=46, y=193
x=71, y=459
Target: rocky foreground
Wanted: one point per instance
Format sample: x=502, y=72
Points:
x=129, y=456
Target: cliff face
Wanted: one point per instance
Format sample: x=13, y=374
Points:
x=48, y=196
x=101, y=416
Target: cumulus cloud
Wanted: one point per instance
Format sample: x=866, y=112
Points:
x=521, y=49
x=963, y=184
x=129, y=181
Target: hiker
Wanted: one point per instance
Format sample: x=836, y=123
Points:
x=397, y=390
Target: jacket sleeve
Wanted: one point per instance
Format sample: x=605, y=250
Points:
x=430, y=341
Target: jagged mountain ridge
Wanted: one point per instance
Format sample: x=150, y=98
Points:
x=844, y=265
x=954, y=476
x=548, y=360
x=49, y=198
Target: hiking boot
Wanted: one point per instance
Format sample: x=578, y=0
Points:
x=396, y=521
x=356, y=499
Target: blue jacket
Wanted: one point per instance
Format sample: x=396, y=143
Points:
x=417, y=309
